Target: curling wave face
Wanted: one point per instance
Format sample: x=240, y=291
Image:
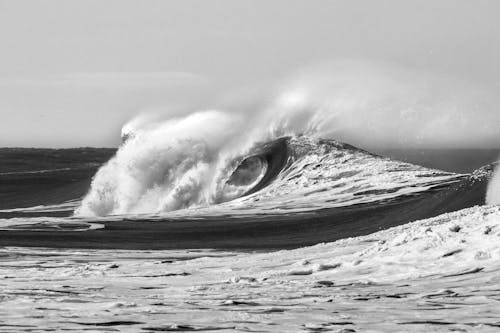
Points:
x=322, y=174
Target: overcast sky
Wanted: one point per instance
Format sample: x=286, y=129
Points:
x=72, y=72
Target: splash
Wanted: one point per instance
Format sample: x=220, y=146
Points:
x=164, y=167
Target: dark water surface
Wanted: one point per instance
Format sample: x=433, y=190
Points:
x=453, y=160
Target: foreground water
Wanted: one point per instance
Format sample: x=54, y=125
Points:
x=440, y=274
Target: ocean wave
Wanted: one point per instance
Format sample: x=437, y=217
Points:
x=285, y=152
x=287, y=174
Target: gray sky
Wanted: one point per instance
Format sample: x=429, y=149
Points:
x=72, y=72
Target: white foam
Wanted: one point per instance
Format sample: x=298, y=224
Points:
x=408, y=278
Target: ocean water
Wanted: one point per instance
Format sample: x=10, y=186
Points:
x=255, y=221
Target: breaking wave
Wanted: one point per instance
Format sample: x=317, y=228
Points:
x=288, y=174
x=284, y=151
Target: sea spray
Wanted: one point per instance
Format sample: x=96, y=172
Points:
x=165, y=167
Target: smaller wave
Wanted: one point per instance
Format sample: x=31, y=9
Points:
x=67, y=206
x=34, y=172
x=47, y=224
x=493, y=192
